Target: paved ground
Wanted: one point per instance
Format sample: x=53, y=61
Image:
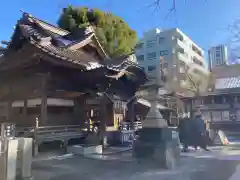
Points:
x=220, y=164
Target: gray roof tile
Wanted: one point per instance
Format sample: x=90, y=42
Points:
x=227, y=83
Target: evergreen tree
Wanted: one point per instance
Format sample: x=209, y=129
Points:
x=114, y=34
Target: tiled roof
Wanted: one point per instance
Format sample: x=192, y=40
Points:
x=56, y=45
x=227, y=83
x=121, y=62
x=75, y=56
x=45, y=25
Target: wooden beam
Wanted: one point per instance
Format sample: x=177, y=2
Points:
x=9, y=104
x=64, y=94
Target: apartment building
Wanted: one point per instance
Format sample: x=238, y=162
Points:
x=217, y=55
x=177, y=51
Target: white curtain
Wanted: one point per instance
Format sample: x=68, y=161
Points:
x=225, y=116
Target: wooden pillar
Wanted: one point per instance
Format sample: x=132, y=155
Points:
x=87, y=114
x=43, y=114
x=103, y=120
x=131, y=111
x=25, y=110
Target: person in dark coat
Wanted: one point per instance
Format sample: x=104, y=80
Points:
x=200, y=132
x=184, y=132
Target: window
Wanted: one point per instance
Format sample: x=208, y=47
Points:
x=151, y=68
x=182, y=67
x=217, y=54
x=199, y=62
x=151, y=43
x=160, y=39
x=140, y=58
x=164, y=53
x=151, y=56
x=139, y=46
x=181, y=38
x=207, y=100
x=218, y=99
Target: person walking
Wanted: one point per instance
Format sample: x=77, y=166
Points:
x=200, y=132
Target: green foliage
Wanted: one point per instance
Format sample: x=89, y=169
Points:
x=114, y=34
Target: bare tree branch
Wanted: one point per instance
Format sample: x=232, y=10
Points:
x=193, y=83
x=155, y=4
x=172, y=9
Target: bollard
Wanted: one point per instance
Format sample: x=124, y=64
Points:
x=8, y=159
x=15, y=154
x=25, y=158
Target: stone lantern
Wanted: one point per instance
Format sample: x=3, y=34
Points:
x=157, y=141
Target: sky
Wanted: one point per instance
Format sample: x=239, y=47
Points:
x=204, y=21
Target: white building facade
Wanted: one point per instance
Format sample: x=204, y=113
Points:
x=177, y=50
x=218, y=55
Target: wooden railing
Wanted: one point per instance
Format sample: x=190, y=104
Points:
x=41, y=134
x=50, y=133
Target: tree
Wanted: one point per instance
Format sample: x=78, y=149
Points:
x=113, y=32
x=194, y=83
x=234, y=42
x=197, y=83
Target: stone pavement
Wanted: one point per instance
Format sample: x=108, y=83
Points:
x=220, y=164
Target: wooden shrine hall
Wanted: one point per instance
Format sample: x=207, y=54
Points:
x=57, y=77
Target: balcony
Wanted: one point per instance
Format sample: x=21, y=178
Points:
x=197, y=61
x=198, y=52
x=183, y=58
x=199, y=68
x=180, y=43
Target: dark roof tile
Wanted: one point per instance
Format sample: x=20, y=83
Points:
x=40, y=35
